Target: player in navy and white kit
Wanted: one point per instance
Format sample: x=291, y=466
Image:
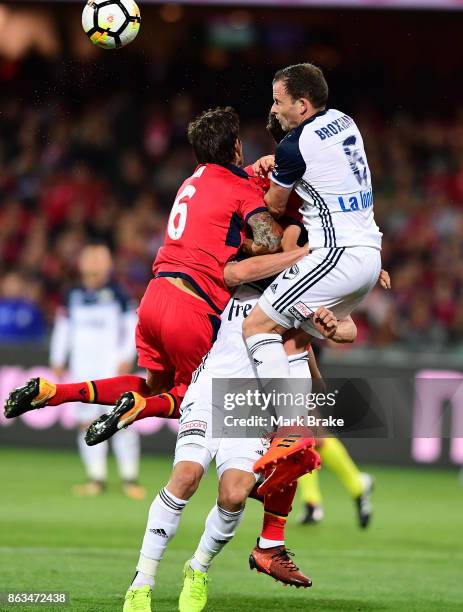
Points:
x=323, y=160
x=93, y=334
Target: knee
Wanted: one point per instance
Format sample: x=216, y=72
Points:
x=233, y=498
x=185, y=479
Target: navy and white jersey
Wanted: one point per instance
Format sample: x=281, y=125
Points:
x=94, y=332
x=324, y=160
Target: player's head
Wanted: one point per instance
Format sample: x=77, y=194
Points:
x=274, y=128
x=299, y=92
x=214, y=136
x=95, y=265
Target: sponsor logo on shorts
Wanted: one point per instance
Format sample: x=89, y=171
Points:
x=192, y=428
x=301, y=311
x=273, y=287
x=291, y=273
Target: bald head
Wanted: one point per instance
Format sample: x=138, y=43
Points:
x=95, y=265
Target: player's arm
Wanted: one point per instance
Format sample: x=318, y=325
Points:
x=266, y=233
x=60, y=343
x=291, y=237
x=276, y=199
x=346, y=332
x=341, y=332
x=262, y=266
x=289, y=168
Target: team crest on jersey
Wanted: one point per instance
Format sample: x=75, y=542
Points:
x=291, y=273
x=301, y=312
x=273, y=287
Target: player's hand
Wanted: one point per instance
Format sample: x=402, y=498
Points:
x=325, y=322
x=264, y=165
x=384, y=279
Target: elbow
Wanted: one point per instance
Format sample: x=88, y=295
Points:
x=233, y=278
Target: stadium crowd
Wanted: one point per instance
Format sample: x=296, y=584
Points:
x=76, y=171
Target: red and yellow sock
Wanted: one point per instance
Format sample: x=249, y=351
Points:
x=105, y=391
x=164, y=405
x=276, y=510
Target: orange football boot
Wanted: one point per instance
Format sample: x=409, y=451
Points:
x=283, y=474
x=33, y=395
x=277, y=562
x=283, y=447
x=127, y=408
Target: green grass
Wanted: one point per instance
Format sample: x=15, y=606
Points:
x=410, y=559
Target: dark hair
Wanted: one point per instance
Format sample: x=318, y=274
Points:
x=304, y=81
x=274, y=128
x=213, y=135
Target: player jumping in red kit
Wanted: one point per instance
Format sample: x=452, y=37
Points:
x=179, y=313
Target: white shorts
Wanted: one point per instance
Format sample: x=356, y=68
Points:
x=338, y=278
x=195, y=441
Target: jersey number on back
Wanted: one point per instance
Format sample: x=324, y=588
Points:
x=179, y=212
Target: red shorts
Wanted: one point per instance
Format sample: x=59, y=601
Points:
x=175, y=330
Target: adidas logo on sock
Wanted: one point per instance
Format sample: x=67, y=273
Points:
x=159, y=532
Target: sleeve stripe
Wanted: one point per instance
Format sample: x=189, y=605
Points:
x=274, y=180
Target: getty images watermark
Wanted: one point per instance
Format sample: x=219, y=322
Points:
x=277, y=409
x=249, y=408
x=419, y=407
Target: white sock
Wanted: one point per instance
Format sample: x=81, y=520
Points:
x=163, y=521
x=93, y=457
x=219, y=530
x=299, y=372
x=126, y=447
x=269, y=355
x=299, y=365
x=265, y=543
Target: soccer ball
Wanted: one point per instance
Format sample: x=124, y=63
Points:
x=111, y=23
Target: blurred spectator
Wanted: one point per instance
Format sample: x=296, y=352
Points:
x=73, y=170
x=20, y=317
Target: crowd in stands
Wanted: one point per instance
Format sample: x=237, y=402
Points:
x=107, y=169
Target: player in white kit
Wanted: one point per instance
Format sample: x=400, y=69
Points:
x=196, y=448
x=94, y=335
x=323, y=160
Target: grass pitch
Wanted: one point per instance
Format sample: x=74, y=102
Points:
x=410, y=559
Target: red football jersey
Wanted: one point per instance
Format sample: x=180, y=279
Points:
x=206, y=229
